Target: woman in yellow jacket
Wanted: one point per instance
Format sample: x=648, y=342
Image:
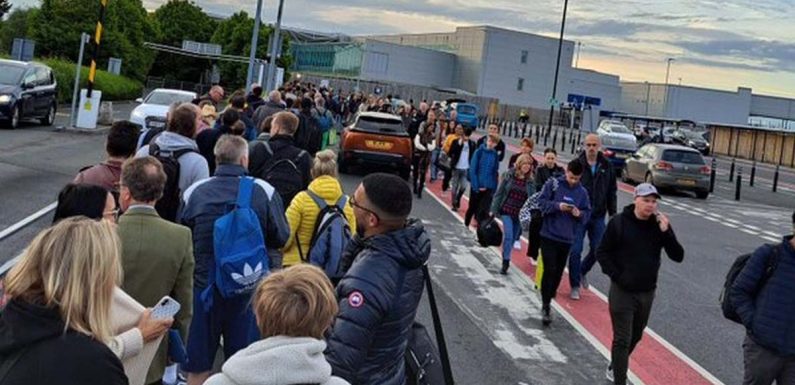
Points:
x=303, y=211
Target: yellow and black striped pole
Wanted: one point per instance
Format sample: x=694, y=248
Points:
x=97, y=38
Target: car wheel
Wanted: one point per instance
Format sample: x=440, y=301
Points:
x=49, y=119
x=649, y=179
x=624, y=176
x=702, y=194
x=343, y=167
x=16, y=116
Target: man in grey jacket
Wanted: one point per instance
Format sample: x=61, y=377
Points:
x=271, y=107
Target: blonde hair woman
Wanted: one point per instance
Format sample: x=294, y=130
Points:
x=59, y=315
x=517, y=185
x=294, y=308
x=302, y=214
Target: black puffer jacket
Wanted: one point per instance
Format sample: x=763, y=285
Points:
x=602, y=187
x=52, y=355
x=378, y=300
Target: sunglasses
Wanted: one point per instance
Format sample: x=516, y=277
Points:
x=360, y=207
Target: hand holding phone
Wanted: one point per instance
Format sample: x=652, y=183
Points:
x=167, y=307
x=663, y=221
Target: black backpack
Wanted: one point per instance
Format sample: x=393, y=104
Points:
x=168, y=205
x=726, y=306
x=281, y=172
x=308, y=136
x=489, y=232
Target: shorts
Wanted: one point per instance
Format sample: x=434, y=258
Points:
x=231, y=318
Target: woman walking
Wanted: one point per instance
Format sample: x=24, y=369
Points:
x=516, y=186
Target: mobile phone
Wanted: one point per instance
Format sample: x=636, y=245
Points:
x=167, y=307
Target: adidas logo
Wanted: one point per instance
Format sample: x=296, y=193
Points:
x=250, y=276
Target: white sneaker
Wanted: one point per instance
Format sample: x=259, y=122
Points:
x=575, y=293
x=517, y=245
x=609, y=374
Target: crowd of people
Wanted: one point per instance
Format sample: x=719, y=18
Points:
x=239, y=217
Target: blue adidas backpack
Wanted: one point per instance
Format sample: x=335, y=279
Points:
x=241, y=259
x=330, y=237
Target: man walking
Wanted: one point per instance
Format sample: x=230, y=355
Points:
x=206, y=201
x=271, y=107
x=157, y=255
x=600, y=182
x=763, y=300
x=564, y=205
x=379, y=294
x=630, y=255
x=119, y=146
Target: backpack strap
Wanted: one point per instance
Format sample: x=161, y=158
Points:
x=318, y=200
x=342, y=202
x=244, y=192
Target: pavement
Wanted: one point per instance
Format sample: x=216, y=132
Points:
x=491, y=322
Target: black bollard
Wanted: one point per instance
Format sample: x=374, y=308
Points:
x=538, y=135
x=515, y=129
x=753, y=174
x=546, y=137
x=524, y=130
x=563, y=142
x=572, y=143
x=775, y=180
x=731, y=171
x=739, y=183
x=712, y=176
x=555, y=139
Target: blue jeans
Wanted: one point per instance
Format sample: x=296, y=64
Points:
x=434, y=158
x=595, y=228
x=511, y=231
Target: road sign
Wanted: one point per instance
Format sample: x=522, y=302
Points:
x=553, y=102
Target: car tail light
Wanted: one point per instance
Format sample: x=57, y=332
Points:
x=663, y=165
x=705, y=170
x=609, y=153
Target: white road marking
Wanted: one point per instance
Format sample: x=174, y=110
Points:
x=749, y=232
x=771, y=239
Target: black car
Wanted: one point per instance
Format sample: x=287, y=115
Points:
x=27, y=90
x=692, y=139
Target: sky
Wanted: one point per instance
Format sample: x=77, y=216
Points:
x=717, y=44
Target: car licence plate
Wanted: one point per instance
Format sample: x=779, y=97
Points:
x=378, y=145
x=686, y=182
x=622, y=156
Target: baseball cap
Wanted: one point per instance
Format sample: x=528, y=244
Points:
x=646, y=189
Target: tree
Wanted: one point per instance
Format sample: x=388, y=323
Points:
x=234, y=36
x=59, y=23
x=180, y=20
x=18, y=25
x=5, y=6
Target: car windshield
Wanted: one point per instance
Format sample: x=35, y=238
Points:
x=166, y=98
x=619, y=143
x=466, y=110
x=10, y=74
x=619, y=129
x=380, y=125
x=681, y=156
x=693, y=135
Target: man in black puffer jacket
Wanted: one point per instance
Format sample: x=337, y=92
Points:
x=379, y=294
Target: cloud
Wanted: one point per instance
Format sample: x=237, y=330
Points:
x=771, y=55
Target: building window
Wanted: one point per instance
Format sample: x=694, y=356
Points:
x=524, y=57
x=520, y=85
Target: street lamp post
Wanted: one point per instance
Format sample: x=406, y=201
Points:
x=577, y=60
x=275, y=49
x=665, y=94
x=254, y=42
x=557, y=67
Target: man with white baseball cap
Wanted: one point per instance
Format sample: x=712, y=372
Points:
x=630, y=255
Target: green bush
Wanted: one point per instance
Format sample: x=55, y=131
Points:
x=113, y=87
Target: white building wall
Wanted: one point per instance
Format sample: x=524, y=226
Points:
x=403, y=64
x=773, y=107
x=645, y=99
x=502, y=67
x=593, y=84
x=470, y=43
x=705, y=105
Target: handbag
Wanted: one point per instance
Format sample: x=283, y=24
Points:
x=531, y=209
x=424, y=364
x=489, y=233
x=444, y=162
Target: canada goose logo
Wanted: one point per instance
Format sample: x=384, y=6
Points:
x=356, y=299
x=249, y=276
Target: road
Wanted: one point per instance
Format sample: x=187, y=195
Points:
x=491, y=322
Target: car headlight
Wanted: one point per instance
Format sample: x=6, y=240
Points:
x=138, y=115
x=5, y=99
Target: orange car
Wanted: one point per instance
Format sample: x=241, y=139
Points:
x=376, y=139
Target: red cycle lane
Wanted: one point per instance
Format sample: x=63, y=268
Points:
x=652, y=362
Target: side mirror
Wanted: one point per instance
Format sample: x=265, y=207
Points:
x=139, y=100
x=27, y=86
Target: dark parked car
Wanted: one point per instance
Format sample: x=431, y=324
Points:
x=692, y=139
x=27, y=90
x=669, y=166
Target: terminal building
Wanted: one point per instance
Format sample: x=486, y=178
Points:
x=518, y=69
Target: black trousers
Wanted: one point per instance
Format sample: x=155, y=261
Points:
x=555, y=255
x=534, y=238
x=420, y=164
x=629, y=313
x=763, y=366
x=479, y=203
